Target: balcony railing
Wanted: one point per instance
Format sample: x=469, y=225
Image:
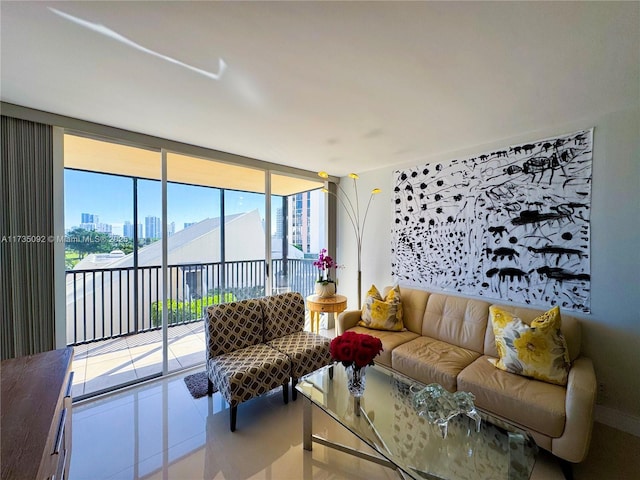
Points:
x=113, y=302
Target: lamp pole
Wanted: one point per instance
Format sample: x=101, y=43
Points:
x=353, y=213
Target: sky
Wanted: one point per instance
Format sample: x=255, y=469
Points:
x=111, y=198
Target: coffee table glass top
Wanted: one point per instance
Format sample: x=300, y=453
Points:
x=387, y=421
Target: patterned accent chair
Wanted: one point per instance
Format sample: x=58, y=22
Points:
x=284, y=316
x=239, y=364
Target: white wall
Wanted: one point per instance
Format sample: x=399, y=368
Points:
x=611, y=333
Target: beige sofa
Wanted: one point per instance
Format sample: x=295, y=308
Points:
x=448, y=340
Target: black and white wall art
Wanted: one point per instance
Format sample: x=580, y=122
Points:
x=512, y=224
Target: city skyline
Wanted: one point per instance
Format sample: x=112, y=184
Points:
x=185, y=203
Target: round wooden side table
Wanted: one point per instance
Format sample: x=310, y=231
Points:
x=318, y=305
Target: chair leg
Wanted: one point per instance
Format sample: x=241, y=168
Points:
x=209, y=387
x=294, y=392
x=566, y=469
x=331, y=372
x=285, y=392
x=233, y=412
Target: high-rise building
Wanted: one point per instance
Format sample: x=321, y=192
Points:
x=152, y=227
x=127, y=229
x=90, y=221
x=188, y=224
x=90, y=218
x=279, y=223
x=305, y=217
x=96, y=227
x=103, y=228
x=171, y=228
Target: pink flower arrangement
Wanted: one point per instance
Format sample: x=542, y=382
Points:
x=324, y=264
x=355, y=348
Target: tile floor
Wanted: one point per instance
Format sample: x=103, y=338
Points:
x=156, y=430
x=109, y=363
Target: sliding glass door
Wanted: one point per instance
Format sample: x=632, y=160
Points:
x=136, y=310
x=192, y=253
x=298, y=232
x=112, y=263
x=215, y=248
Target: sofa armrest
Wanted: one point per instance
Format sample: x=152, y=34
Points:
x=346, y=320
x=573, y=445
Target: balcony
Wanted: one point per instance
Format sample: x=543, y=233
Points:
x=114, y=314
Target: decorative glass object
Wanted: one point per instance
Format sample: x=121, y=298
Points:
x=439, y=405
x=356, y=380
x=325, y=289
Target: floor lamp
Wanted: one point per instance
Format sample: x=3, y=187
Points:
x=353, y=212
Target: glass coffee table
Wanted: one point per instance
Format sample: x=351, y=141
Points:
x=384, y=418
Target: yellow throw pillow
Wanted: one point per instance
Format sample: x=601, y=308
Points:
x=382, y=313
x=538, y=350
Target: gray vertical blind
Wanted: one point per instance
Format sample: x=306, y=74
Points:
x=26, y=238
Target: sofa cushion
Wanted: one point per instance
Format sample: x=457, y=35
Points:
x=570, y=330
x=390, y=340
x=283, y=315
x=533, y=404
x=432, y=361
x=413, y=304
x=456, y=320
x=306, y=350
x=246, y=373
x=233, y=326
x=382, y=313
x=537, y=350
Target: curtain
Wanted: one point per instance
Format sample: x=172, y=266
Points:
x=26, y=238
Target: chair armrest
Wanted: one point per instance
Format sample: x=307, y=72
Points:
x=573, y=445
x=346, y=320
x=208, y=350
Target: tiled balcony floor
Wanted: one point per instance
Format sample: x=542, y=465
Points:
x=110, y=363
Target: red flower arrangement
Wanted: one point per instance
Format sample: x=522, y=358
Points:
x=355, y=348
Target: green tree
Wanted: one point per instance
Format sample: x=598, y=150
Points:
x=81, y=241
x=122, y=243
x=102, y=242
x=181, y=312
x=85, y=242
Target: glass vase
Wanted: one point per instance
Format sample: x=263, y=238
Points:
x=356, y=380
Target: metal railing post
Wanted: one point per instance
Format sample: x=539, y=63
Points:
x=245, y=278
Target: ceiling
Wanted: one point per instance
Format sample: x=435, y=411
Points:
x=93, y=155
x=335, y=86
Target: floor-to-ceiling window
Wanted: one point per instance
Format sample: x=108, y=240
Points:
x=298, y=232
x=193, y=248
x=217, y=251
x=225, y=240
x=112, y=239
